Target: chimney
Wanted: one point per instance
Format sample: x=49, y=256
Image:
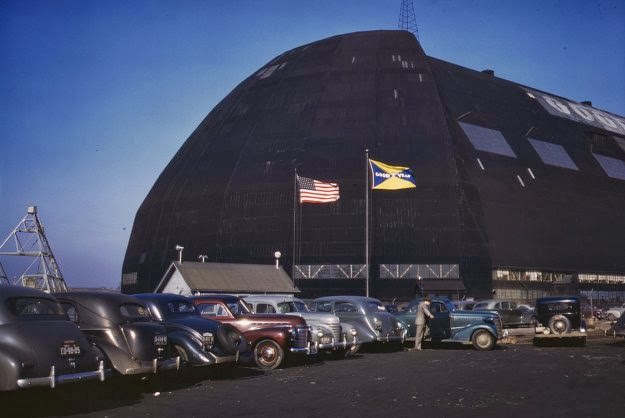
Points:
x=489, y=72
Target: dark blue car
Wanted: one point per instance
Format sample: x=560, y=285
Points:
x=198, y=341
x=482, y=329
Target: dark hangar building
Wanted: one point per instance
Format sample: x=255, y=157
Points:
x=519, y=192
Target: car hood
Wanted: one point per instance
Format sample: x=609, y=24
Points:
x=318, y=317
x=269, y=320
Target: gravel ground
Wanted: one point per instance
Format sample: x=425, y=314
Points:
x=516, y=379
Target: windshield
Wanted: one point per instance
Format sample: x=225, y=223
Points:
x=287, y=307
x=239, y=307
x=375, y=306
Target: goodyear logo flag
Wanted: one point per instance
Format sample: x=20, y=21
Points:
x=390, y=177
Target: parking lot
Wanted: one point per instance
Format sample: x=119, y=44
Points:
x=516, y=379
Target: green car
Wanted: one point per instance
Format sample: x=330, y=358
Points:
x=482, y=329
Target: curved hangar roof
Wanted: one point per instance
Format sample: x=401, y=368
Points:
x=507, y=176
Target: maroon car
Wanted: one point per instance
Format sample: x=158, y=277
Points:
x=271, y=337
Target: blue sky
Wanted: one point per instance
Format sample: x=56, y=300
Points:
x=97, y=96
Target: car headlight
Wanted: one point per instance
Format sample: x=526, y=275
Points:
x=400, y=326
x=377, y=324
x=208, y=340
x=319, y=333
x=353, y=332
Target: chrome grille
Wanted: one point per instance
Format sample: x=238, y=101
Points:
x=300, y=337
x=336, y=331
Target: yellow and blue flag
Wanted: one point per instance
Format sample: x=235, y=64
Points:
x=390, y=177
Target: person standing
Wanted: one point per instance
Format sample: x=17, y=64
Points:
x=422, y=313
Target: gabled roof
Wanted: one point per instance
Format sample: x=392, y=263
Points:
x=231, y=278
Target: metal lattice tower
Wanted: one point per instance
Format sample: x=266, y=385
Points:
x=30, y=241
x=407, y=19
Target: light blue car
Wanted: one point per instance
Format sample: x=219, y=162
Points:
x=482, y=329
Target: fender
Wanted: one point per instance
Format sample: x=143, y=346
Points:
x=365, y=335
x=117, y=358
x=278, y=334
x=466, y=334
x=194, y=350
x=9, y=371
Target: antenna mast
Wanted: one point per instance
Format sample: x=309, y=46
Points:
x=30, y=241
x=407, y=19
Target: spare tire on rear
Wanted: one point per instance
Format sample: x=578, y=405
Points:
x=230, y=339
x=559, y=324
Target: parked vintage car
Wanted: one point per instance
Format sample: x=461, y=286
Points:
x=368, y=316
x=560, y=314
x=198, y=341
x=327, y=331
x=271, y=337
x=481, y=328
x=617, y=329
x=513, y=315
x=39, y=346
x=122, y=330
x=614, y=312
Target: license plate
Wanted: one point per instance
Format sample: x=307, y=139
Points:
x=69, y=349
x=160, y=340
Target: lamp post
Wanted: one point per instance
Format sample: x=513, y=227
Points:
x=179, y=248
x=277, y=254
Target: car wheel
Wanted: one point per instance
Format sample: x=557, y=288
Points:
x=559, y=324
x=483, y=340
x=268, y=354
x=230, y=339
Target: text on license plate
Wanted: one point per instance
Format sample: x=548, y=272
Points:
x=160, y=340
x=69, y=348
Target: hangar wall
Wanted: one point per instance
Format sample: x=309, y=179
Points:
x=228, y=192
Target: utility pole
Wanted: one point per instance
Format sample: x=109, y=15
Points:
x=29, y=240
x=407, y=19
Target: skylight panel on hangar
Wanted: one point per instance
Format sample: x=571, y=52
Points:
x=553, y=154
x=487, y=140
x=613, y=167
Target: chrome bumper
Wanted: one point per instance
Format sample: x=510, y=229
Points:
x=337, y=345
x=224, y=359
x=154, y=366
x=52, y=379
x=391, y=338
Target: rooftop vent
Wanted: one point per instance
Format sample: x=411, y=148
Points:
x=587, y=103
x=489, y=72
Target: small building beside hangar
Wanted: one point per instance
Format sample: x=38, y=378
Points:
x=190, y=278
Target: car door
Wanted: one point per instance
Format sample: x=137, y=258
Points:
x=440, y=325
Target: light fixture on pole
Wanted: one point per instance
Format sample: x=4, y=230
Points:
x=277, y=254
x=202, y=258
x=179, y=248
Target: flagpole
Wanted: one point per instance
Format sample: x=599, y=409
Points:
x=367, y=221
x=294, y=218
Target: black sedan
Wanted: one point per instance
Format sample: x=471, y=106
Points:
x=198, y=341
x=39, y=346
x=122, y=329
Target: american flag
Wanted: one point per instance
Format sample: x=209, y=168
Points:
x=315, y=191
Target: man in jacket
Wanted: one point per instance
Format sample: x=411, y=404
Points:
x=422, y=313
